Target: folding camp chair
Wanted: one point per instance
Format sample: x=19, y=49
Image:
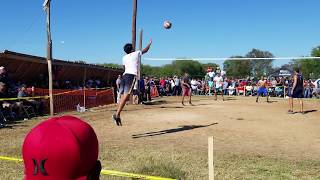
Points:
x=28, y=111
x=3, y=119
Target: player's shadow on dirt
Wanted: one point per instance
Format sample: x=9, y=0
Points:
x=230, y=99
x=310, y=111
x=155, y=107
x=171, y=107
x=154, y=102
x=169, y=131
x=272, y=102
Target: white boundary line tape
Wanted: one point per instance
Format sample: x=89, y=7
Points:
x=231, y=58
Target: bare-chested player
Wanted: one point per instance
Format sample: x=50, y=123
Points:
x=263, y=89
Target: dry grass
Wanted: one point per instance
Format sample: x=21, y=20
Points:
x=183, y=167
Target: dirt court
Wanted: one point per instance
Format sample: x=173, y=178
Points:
x=251, y=140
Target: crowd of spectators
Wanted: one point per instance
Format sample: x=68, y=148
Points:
x=92, y=82
x=14, y=101
x=277, y=86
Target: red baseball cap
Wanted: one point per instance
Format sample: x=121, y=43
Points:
x=62, y=148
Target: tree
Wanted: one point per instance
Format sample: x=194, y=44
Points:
x=179, y=67
x=315, y=52
x=237, y=68
x=167, y=71
x=193, y=68
x=112, y=65
x=310, y=67
x=288, y=66
x=260, y=67
x=81, y=62
x=207, y=65
x=146, y=70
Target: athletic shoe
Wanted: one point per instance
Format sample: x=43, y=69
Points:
x=114, y=118
x=119, y=122
x=290, y=112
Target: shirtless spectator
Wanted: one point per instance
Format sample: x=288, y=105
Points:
x=262, y=90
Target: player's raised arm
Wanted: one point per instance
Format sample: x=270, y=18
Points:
x=146, y=49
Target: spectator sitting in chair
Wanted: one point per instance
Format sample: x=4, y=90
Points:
x=2, y=103
x=37, y=105
x=3, y=93
x=4, y=75
x=249, y=90
x=10, y=107
x=231, y=89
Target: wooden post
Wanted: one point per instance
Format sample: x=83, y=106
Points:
x=140, y=40
x=134, y=34
x=140, y=48
x=84, y=87
x=210, y=158
x=49, y=56
x=139, y=66
x=134, y=24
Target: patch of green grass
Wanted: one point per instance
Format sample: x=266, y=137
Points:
x=158, y=167
x=184, y=166
x=260, y=167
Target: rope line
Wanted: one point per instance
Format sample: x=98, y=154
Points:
x=103, y=172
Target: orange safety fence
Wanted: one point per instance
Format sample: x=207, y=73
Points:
x=67, y=100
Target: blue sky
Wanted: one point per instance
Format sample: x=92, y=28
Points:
x=95, y=31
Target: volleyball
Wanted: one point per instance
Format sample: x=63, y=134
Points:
x=167, y=24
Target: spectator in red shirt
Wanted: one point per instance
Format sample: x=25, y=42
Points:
x=162, y=82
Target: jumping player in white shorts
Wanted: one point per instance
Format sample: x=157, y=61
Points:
x=130, y=62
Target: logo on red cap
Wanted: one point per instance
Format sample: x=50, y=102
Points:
x=41, y=165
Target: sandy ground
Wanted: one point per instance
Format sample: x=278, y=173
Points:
x=239, y=125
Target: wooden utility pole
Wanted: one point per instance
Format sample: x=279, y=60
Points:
x=49, y=53
x=139, y=67
x=134, y=24
x=134, y=29
x=140, y=48
x=84, y=87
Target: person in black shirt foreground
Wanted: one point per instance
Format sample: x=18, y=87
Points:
x=297, y=91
